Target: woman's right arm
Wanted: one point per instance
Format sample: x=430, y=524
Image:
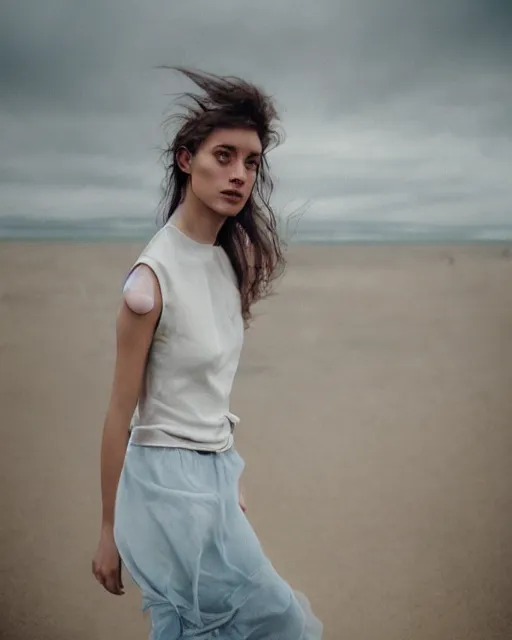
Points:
x=134, y=334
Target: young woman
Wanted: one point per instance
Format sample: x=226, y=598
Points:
x=172, y=510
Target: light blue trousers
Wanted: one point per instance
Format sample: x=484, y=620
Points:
x=191, y=550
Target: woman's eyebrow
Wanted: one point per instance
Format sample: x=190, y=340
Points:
x=230, y=147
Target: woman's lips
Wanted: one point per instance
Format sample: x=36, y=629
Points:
x=233, y=196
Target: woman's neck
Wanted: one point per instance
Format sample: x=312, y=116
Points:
x=198, y=222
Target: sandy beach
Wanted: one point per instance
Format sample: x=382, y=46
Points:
x=376, y=423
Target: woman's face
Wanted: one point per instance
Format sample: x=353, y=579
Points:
x=224, y=169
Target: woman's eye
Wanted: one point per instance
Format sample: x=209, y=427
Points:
x=223, y=156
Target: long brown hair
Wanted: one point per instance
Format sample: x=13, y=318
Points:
x=251, y=239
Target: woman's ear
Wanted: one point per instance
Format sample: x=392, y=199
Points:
x=184, y=159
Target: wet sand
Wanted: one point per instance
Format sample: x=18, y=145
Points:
x=376, y=423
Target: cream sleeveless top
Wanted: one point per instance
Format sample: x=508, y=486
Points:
x=185, y=400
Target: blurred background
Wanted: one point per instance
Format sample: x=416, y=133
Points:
x=374, y=390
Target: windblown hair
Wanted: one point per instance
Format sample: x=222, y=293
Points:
x=250, y=239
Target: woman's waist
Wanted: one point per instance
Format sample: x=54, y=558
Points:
x=197, y=437
x=184, y=412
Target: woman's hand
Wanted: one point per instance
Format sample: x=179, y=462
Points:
x=106, y=564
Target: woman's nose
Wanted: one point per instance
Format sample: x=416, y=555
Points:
x=239, y=173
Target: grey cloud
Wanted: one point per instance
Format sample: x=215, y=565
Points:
x=88, y=53
x=392, y=109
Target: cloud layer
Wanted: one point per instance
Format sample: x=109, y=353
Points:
x=397, y=111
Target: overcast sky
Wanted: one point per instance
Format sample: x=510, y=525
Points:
x=394, y=110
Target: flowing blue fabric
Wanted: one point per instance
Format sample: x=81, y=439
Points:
x=191, y=550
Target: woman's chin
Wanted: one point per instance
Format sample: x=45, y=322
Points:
x=228, y=210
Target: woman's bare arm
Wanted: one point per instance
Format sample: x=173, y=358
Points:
x=134, y=336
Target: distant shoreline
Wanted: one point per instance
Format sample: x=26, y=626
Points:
x=314, y=231
x=120, y=241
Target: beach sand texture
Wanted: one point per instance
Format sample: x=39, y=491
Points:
x=375, y=396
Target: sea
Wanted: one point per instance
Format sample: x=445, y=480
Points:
x=305, y=231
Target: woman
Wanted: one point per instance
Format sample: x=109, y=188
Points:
x=172, y=510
